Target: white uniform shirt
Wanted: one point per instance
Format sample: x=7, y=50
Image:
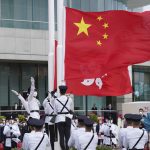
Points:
x=73, y=125
x=84, y=139
x=115, y=130
x=31, y=104
x=31, y=140
x=122, y=134
x=58, y=106
x=132, y=137
x=24, y=103
x=105, y=129
x=34, y=105
x=74, y=137
x=10, y=130
x=100, y=135
x=48, y=109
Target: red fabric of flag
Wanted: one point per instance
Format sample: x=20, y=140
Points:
x=115, y=83
x=97, y=42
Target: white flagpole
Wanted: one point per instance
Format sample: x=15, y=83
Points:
x=60, y=18
x=51, y=51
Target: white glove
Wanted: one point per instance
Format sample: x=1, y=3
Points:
x=32, y=80
x=15, y=92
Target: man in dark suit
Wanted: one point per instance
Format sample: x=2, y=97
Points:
x=95, y=109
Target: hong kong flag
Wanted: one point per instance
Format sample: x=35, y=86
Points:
x=114, y=83
x=98, y=42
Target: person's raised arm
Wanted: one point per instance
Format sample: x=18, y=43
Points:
x=32, y=88
x=23, y=101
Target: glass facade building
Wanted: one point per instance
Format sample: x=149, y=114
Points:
x=33, y=15
x=141, y=82
x=17, y=76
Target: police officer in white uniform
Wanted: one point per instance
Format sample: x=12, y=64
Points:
x=89, y=139
x=78, y=132
x=123, y=131
x=63, y=107
x=48, y=105
x=36, y=140
x=105, y=129
x=136, y=138
x=11, y=132
x=114, y=130
x=32, y=104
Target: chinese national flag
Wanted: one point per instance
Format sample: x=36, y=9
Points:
x=115, y=83
x=98, y=42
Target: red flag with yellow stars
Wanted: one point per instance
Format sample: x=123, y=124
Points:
x=97, y=42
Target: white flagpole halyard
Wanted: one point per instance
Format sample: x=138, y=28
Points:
x=60, y=29
x=51, y=40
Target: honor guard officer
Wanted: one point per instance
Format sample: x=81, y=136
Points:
x=105, y=130
x=88, y=140
x=36, y=140
x=11, y=133
x=62, y=108
x=48, y=105
x=123, y=131
x=32, y=104
x=136, y=138
x=114, y=130
x=78, y=132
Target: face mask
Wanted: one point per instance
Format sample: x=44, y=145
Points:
x=35, y=94
x=55, y=94
x=141, y=112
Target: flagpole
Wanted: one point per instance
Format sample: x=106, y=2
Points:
x=60, y=12
x=51, y=41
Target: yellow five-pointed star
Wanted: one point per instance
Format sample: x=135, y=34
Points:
x=99, y=18
x=105, y=36
x=99, y=43
x=83, y=27
x=105, y=25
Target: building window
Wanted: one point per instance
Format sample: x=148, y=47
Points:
x=141, y=83
x=17, y=76
x=28, y=14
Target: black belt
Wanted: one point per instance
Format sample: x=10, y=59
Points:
x=34, y=111
x=63, y=112
x=110, y=136
x=50, y=115
x=11, y=137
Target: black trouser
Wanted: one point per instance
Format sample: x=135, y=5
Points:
x=13, y=144
x=100, y=142
x=64, y=133
x=51, y=131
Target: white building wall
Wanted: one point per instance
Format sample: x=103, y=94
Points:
x=23, y=44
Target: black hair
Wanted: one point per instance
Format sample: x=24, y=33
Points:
x=63, y=91
x=24, y=94
x=141, y=109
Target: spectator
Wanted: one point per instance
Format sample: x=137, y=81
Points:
x=94, y=108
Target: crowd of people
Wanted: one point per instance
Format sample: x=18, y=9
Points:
x=78, y=132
